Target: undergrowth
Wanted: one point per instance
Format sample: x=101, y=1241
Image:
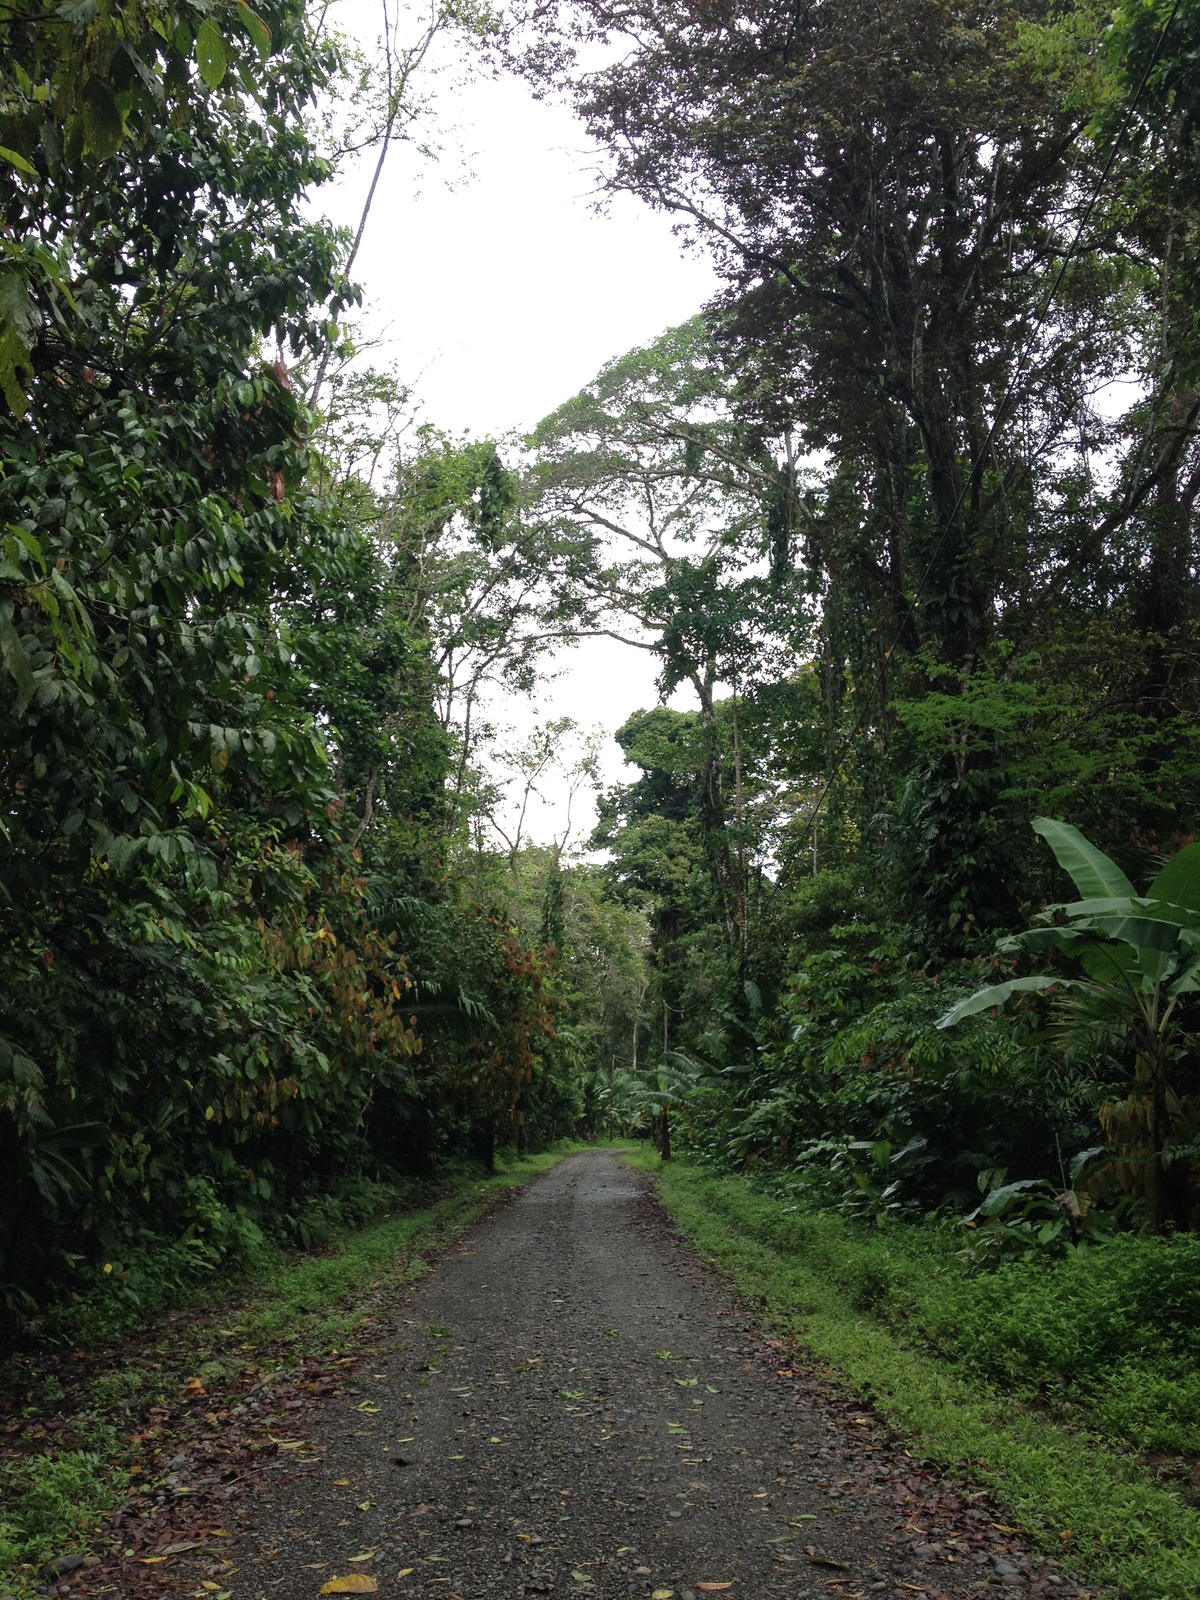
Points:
x=1044, y=1380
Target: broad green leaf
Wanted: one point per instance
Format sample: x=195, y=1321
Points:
x=1188, y=980
x=1093, y=874
x=1000, y=1199
x=103, y=124
x=1110, y=963
x=1144, y=933
x=260, y=34
x=1107, y=905
x=14, y=360
x=210, y=53
x=1179, y=881
x=18, y=161
x=12, y=653
x=16, y=306
x=996, y=994
x=1039, y=939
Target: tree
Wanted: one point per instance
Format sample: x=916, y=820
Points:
x=936, y=251
x=681, y=507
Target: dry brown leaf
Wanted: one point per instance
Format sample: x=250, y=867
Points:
x=353, y=1583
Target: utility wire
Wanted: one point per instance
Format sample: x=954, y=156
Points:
x=999, y=417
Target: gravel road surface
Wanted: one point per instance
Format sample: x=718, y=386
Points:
x=570, y=1404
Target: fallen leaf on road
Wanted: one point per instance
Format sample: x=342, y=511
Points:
x=219, y=1533
x=149, y=1560
x=726, y=1585
x=404, y=1572
x=662, y=1594
x=341, y=1483
x=368, y=1406
x=353, y=1583
x=582, y=1577
x=364, y=1505
x=808, y=1516
x=367, y=1555
x=194, y=1386
x=826, y=1561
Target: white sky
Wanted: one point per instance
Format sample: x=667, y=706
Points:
x=502, y=290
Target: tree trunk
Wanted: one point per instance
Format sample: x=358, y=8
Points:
x=664, y=1134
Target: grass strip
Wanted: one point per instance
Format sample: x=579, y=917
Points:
x=1102, y=1513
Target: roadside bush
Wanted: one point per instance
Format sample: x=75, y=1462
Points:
x=1083, y=1318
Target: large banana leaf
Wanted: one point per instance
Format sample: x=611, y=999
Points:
x=1107, y=906
x=1179, y=881
x=1188, y=980
x=1117, y=963
x=1143, y=933
x=1094, y=875
x=996, y=994
x=1039, y=939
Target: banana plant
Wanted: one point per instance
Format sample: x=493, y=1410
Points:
x=666, y=1087
x=1140, y=956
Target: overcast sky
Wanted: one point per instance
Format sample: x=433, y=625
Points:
x=503, y=290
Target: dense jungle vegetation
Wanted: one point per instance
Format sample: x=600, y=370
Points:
x=910, y=510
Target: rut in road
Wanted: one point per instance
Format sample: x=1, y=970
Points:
x=568, y=1405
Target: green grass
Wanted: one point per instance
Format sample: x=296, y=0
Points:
x=286, y=1306
x=867, y=1305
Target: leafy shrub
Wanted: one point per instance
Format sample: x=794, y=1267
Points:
x=1080, y=1319
x=53, y=1502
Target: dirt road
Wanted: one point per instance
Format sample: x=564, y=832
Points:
x=567, y=1405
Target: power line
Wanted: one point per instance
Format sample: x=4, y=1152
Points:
x=1000, y=409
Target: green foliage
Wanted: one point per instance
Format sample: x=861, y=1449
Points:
x=54, y=1501
x=1141, y=957
x=224, y=758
